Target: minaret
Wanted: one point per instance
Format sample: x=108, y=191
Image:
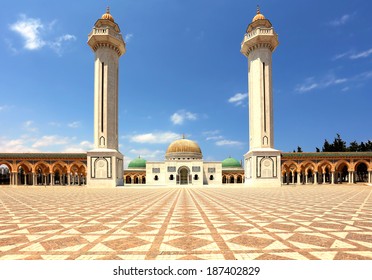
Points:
x=105, y=162
x=262, y=162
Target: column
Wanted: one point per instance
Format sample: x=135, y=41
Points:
x=298, y=178
x=15, y=178
x=333, y=178
x=52, y=179
x=292, y=177
x=33, y=178
x=315, y=178
x=352, y=177
x=68, y=179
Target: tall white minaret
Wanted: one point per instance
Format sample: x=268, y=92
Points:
x=105, y=162
x=262, y=162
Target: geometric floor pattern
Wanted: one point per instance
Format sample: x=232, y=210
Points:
x=214, y=223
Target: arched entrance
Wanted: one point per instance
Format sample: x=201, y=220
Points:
x=4, y=175
x=183, y=175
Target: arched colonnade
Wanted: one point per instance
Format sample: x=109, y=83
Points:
x=43, y=169
x=326, y=168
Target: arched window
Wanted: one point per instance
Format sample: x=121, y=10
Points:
x=196, y=177
x=211, y=177
x=224, y=180
x=156, y=178
x=128, y=180
x=171, y=177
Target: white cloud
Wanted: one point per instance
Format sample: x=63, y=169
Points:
x=15, y=145
x=29, y=126
x=4, y=108
x=155, y=138
x=306, y=87
x=309, y=84
x=29, y=29
x=181, y=116
x=58, y=43
x=33, y=31
x=148, y=154
x=352, y=55
x=363, y=54
x=74, y=124
x=341, y=21
x=128, y=37
x=51, y=140
x=228, y=143
x=82, y=147
x=238, y=98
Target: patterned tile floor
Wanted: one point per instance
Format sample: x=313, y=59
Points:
x=307, y=222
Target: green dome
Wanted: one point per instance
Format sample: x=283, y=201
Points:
x=231, y=162
x=137, y=163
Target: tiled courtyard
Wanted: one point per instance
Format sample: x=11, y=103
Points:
x=307, y=222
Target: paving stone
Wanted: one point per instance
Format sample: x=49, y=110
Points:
x=190, y=223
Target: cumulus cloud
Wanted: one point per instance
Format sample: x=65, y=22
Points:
x=341, y=20
x=33, y=32
x=82, y=147
x=19, y=145
x=128, y=37
x=29, y=126
x=310, y=84
x=238, y=98
x=148, y=154
x=363, y=54
x=228, y=143
x=181, y=116
x=155, y=138
x=74, y=124
x=50, y=140
x=353, y=55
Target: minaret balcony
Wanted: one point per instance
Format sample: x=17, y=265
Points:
x=259, y=37
x=108, y=36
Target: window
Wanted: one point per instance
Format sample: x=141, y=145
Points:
x=156, y=178
x=156, y=170
x=196, y=177
x=211, y=177
x=211, y=170
x=171, y=177
x=196, y=169
x=171, y=169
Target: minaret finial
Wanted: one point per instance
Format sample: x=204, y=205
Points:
x=108, y=10
x=258, y=9
x=183, y=135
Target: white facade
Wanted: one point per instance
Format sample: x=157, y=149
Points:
x=105, y=162
x=183, y=172
x=262, y=162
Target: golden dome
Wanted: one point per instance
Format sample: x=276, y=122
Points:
x=258, y=15
x=183, y=148
x=107, y=15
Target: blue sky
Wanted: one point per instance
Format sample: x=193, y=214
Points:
x=183, y=73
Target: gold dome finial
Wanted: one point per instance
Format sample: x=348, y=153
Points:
x=107, y=15
x=258, y=15
x=183, y=135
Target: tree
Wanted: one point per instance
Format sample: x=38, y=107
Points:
x=339, y=145
x=327, y=147
x=353, y=147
